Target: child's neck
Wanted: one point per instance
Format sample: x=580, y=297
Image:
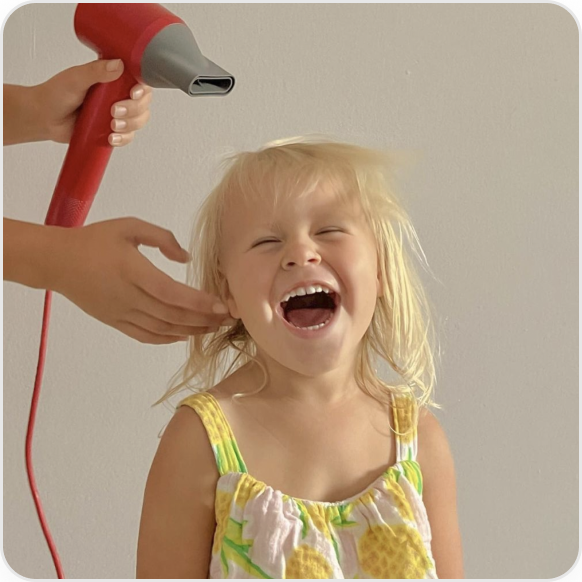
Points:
x=334, y=389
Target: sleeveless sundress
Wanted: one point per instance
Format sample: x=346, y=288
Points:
x=382, y=532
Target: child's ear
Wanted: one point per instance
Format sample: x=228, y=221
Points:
x=226, y=297
x=224, y=289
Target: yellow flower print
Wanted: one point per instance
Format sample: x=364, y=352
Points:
x=247, y=489
x=393, y=551
x=307, y=563
x=318, y=518
x=400, y=500
x=368, y=498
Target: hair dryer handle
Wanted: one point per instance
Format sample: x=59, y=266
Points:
x=87, y=155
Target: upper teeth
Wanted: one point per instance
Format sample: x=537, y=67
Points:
x=306, y=291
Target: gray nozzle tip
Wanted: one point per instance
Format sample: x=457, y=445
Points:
x=172, y=59
x=211, y=86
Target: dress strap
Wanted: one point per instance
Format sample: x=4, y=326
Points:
x=220, y=435
x=404, y=412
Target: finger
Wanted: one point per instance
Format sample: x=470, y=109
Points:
x=130, y=107
x=121, y=139
x=151, y=235
x=79, y=78
x=145, y=337
x=178, y=295
x=139, y=90
x=163, y=328
x=130, y=123
x=159, y=285
x=172, y=315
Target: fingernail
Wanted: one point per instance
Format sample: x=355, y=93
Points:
x=220, y=308
x=120, y=111
x=115, y=139
x=137, y=93
x=119, y=124
x=113, y=65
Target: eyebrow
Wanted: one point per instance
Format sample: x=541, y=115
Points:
x=333, y=215
x=268, y=226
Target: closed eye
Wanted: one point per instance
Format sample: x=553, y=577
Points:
x=271, y=240
x=263, y=242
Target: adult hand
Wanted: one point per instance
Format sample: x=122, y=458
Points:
x=59, y=99
x=100, y=269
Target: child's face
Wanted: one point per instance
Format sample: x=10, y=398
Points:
x=316, y=238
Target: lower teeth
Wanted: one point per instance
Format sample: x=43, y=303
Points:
x=315, y=326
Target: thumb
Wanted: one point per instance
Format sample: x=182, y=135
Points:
x=82, y=77
x=145, y=233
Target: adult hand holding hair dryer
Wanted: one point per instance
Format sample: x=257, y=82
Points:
x=157, y=49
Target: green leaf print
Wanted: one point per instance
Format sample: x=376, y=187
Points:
x=341, y=519
x=413, y=474
x=223, y=560
x=335, y=547
x=241, y=465
x=304, y=518
x=240, y=557
x=418, y=474
x=395, y=473
x=220, y=458
x=235, y=549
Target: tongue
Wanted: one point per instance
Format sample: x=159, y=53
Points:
x=308, y=317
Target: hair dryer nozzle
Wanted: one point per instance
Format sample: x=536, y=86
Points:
x=172, y=59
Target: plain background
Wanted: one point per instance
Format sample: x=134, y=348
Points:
x=488, y=94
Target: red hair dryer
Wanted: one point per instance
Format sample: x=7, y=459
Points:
x=157, y=49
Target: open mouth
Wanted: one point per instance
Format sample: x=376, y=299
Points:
x=310, y=312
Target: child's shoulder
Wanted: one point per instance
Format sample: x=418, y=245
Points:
x=222, y=392
x=433, y=443
x=238, y=382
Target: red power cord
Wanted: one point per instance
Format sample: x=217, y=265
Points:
x=31, y=419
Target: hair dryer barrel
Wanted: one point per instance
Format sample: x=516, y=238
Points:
x=158, y=49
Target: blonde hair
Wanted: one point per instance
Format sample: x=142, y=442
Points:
x=401, y=330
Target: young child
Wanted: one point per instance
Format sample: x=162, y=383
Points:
x=302, y=462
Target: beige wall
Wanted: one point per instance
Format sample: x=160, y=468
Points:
x=488, y=93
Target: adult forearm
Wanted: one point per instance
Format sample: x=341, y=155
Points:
x=22, y=117
x=30, y=252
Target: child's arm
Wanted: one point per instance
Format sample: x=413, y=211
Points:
x=177, y=521
x=440, y=496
